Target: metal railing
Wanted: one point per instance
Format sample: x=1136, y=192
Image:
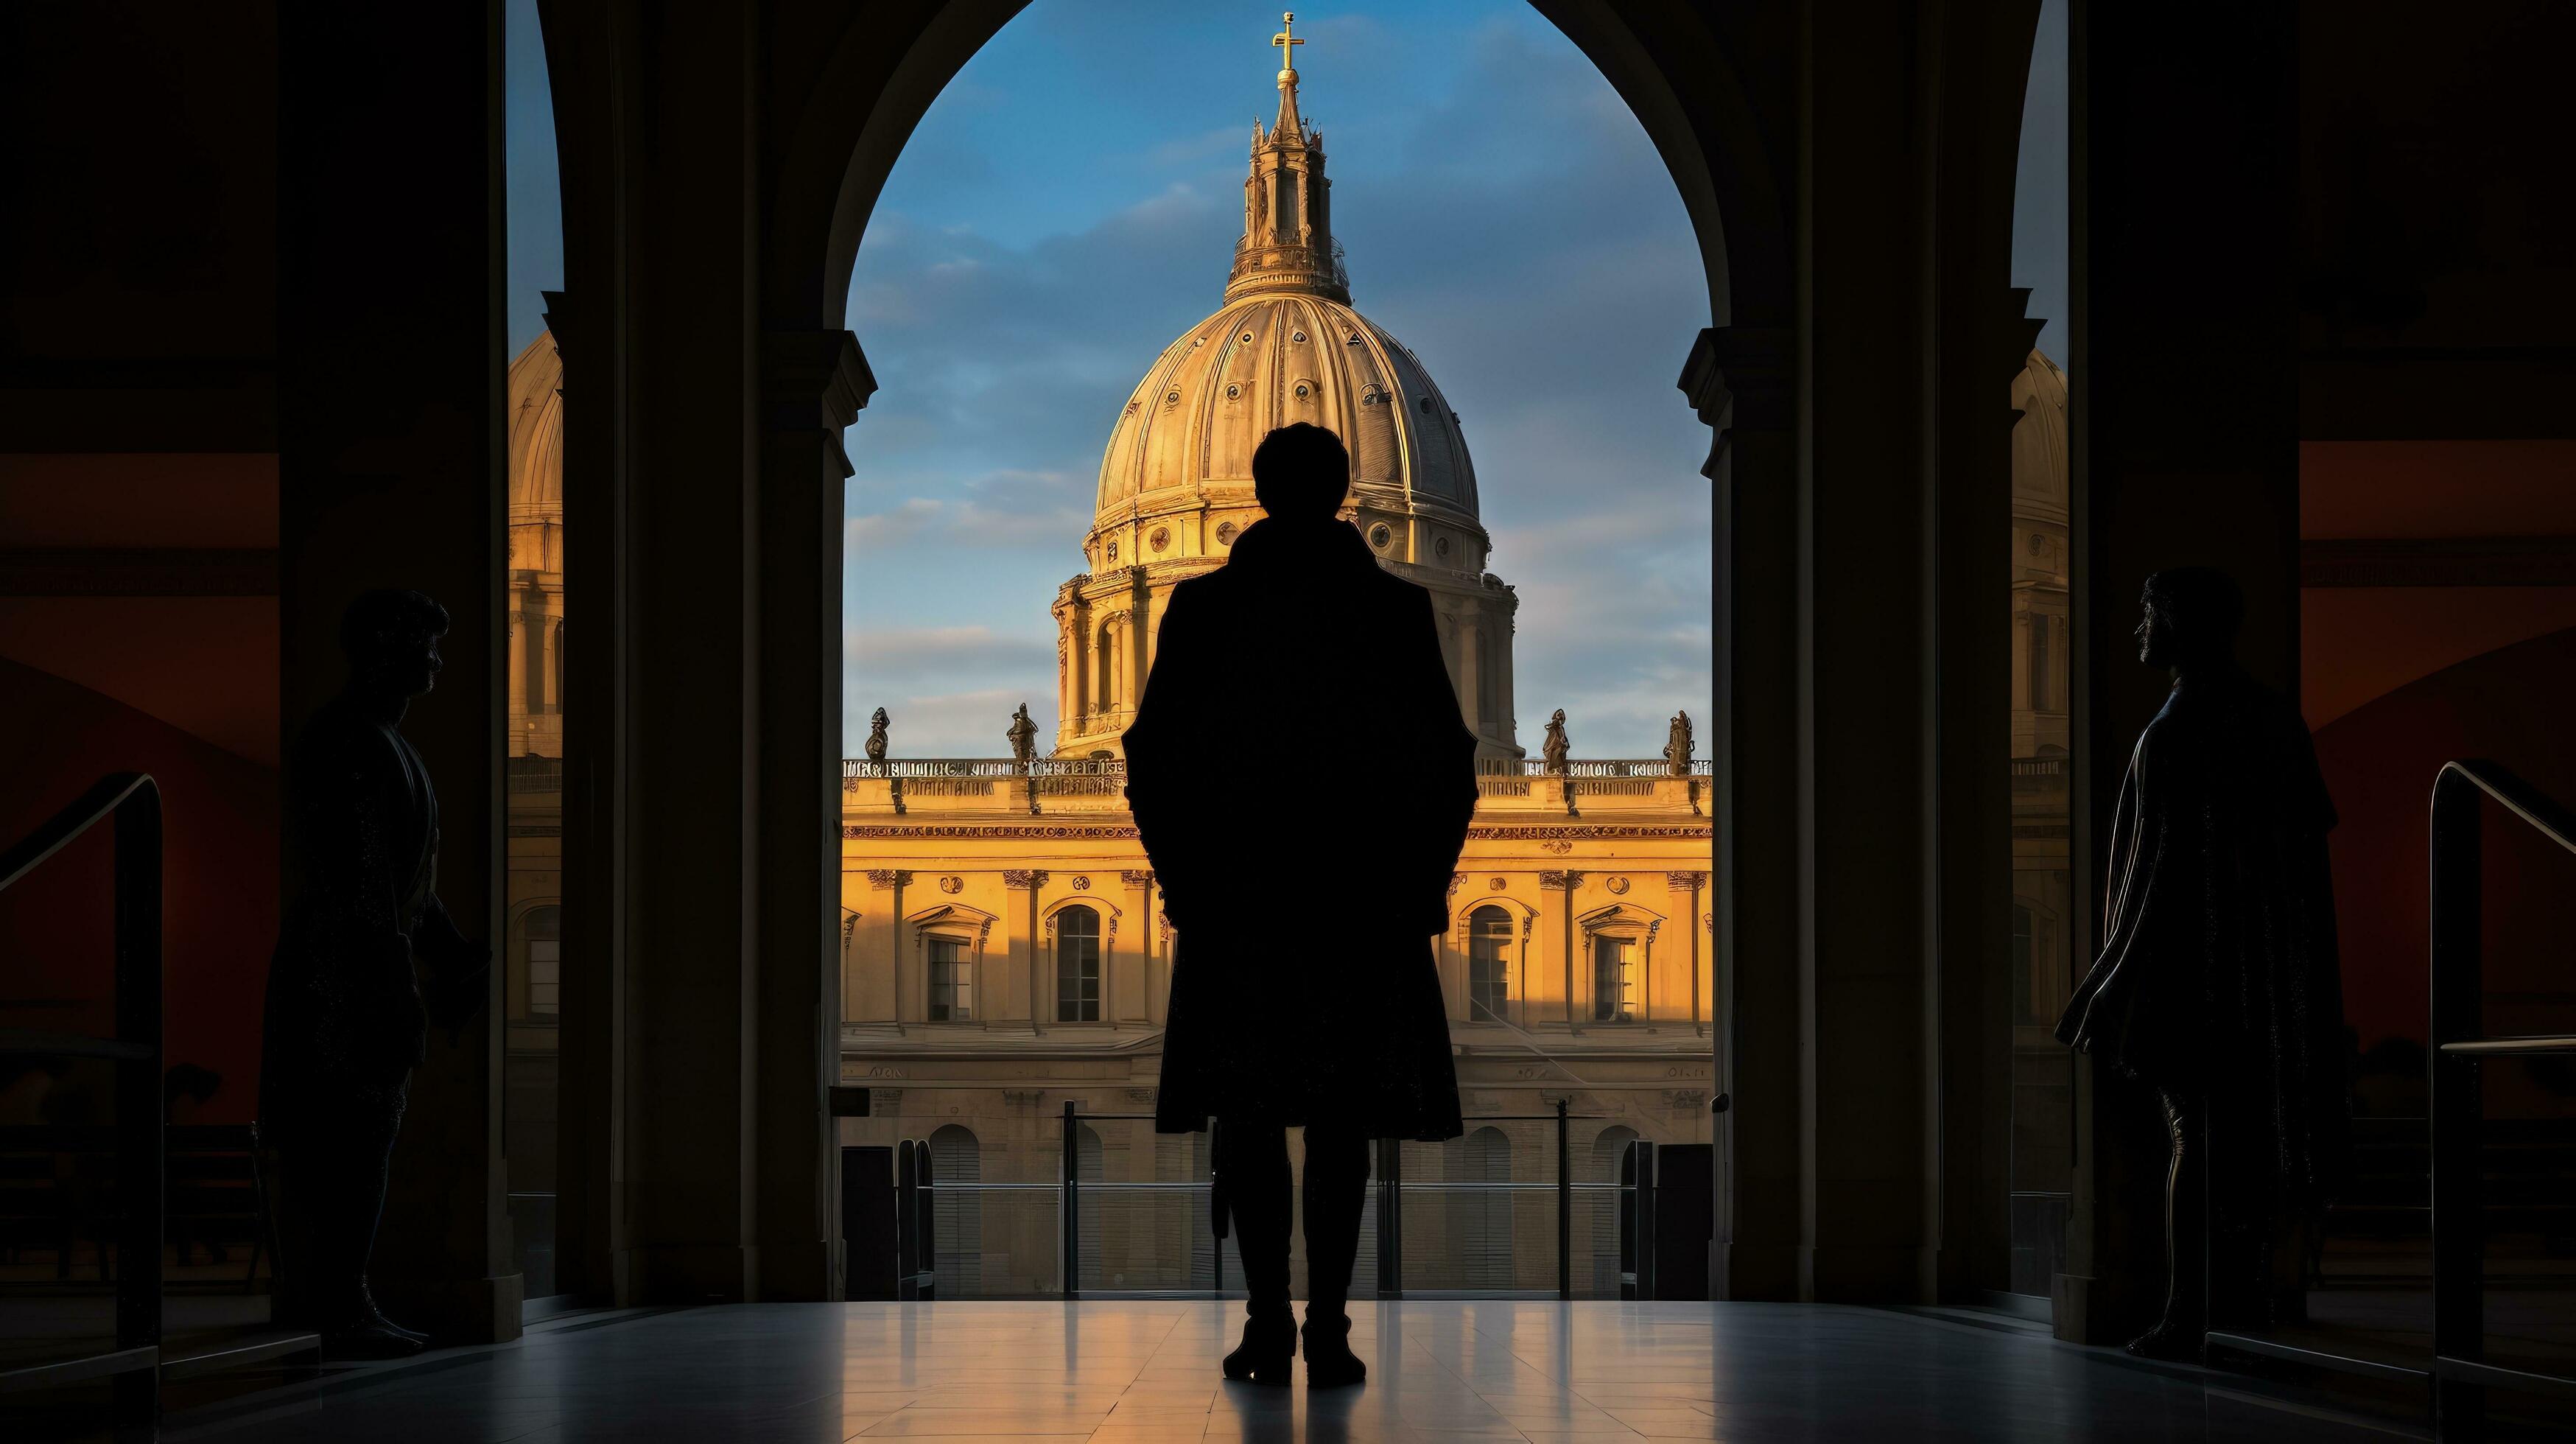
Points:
x=134, y=1359
x=1079, y=1234
x=2461, y=1372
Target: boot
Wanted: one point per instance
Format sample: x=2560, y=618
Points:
x=1269, y=1345
x=1330, y=1364
x=1336, y=1186
x=1255, y=1165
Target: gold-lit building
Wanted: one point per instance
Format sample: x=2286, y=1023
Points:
x=1003, y=946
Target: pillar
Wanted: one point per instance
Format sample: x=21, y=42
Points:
x=390, y=474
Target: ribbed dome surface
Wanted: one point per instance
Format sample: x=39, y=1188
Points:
x=1268, y=360
x=536, y=432
x=2040, y=478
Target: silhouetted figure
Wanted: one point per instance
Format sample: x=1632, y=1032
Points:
x=2217, y=984
x=1023, y=737
x=1556, y=748
x=1301, y=652
x=1677, y=744
x=877, y=736
x=366, y=959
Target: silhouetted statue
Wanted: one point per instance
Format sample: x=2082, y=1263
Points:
x=1023, y=736
x=1302, y=647
x=1555, y=749
x=2217, y=984
x=1677, y=744
x=367, y=959
x=877, y=736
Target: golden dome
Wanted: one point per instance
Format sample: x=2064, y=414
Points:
x=536, y=458
x=1285, y=347
x=2039, y=464
x=536, y=433
x=1264, y=362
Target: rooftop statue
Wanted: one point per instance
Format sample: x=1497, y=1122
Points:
x=877, y=736
x=1677, y=744
x=1023, y=736
x=1555, y=749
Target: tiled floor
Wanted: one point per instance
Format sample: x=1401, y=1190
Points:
x=1113, y=1372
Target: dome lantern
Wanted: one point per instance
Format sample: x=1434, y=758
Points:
x=1176, y=477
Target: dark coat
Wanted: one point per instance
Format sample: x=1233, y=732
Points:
x=346, y=1018
x=2218, y=974
x=1303, y=782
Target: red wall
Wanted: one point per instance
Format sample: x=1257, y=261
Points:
x=2512, y=706
x=219, y=880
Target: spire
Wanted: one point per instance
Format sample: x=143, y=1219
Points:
x=1288, y=124
x=1287, y=240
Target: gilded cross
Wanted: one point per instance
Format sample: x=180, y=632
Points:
x=1285, y=41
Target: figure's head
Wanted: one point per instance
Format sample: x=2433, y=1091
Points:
x=1301, y=471
x=1559, y=719
x=391, y=640
x=879, y=719
x=2189, y=616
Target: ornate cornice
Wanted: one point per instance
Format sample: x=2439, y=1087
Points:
x=984, y=832
x=1590, y=831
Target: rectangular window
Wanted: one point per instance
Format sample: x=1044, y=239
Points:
x=545, y=978
x=2039, y=695
x=2022, y=941
x=1614, y=980
x=952, y=982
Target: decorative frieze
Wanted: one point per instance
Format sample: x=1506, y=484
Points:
x=983, y=832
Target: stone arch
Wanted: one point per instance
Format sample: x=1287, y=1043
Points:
x=1605, y=1220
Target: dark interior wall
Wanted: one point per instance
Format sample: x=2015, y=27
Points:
x=219, y=818
x=2509, y=706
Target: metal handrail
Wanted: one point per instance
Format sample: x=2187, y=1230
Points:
x=133, y=799
x=2461, y=1373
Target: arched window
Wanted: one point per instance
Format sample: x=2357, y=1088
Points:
x=1612, y=1222
x=1489, y=964
x=1077, y=965
x=957, y=1211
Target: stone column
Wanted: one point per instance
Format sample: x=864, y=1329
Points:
x=1563, y=884
x=1684, y=889
x=1029, y=955
x=1471, y=667
x=390, y=472
x=1136, y=991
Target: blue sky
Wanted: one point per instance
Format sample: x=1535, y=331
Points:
x=1069, y=205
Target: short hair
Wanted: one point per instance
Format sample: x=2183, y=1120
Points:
x=388, y=612
x=2202, y=605
x=1301, y=470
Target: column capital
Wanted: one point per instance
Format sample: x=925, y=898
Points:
x=1560, y=881
x=882, y=878
x=1029, y=878
x=1136, y=878
x=1686, y=881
